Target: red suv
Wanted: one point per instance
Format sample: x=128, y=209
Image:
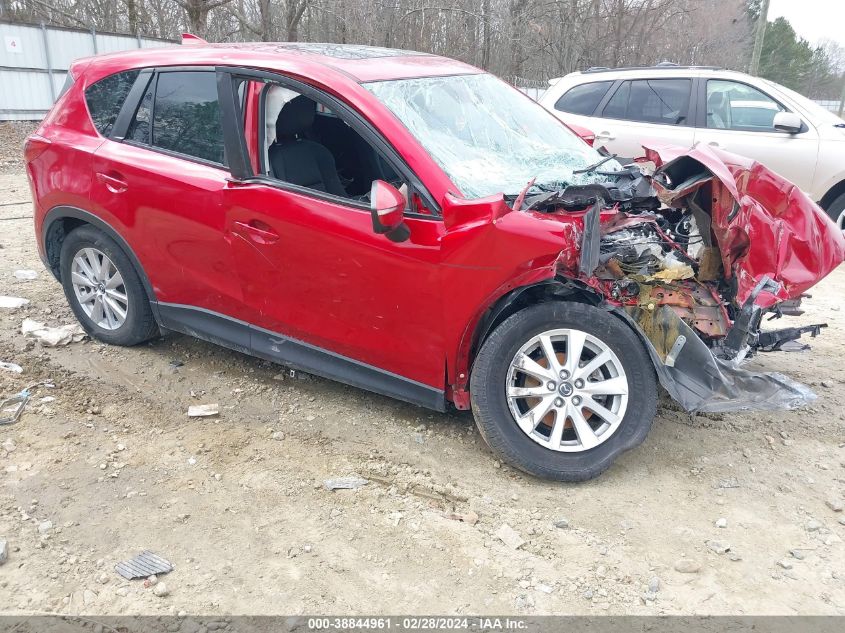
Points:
x=411, y=225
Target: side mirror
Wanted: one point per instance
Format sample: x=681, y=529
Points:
x=387, y=208
x=788, y=122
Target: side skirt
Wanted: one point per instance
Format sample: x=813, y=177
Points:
x=249, y=339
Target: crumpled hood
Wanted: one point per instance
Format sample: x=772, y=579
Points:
x=764, y=225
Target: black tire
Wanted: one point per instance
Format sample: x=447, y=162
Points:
x=140, y=324
x=496, y=422
x=836, y=211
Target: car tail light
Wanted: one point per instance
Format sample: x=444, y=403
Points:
x=35, y=146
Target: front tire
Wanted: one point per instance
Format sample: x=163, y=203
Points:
x=104, y=290
x=560, y=390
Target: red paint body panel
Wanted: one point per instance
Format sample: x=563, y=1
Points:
x=173, y=216
x=330, y=281
x=251, y=123
x=776, y=231
x=384, y=68
x=282, y=57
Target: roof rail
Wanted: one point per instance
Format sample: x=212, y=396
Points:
x=660, y=66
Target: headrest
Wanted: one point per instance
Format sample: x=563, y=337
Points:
x=716, y=99
x=296, y=116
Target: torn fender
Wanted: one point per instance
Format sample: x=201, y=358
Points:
x=764, y=225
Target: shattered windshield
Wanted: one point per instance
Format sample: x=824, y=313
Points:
x=487, y=137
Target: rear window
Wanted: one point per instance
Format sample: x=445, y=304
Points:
x=186, y=115
x=106, y=97
x=663, y=101
x=583, y=99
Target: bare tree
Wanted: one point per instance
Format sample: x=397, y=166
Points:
x=525, y=40
x=197, y=13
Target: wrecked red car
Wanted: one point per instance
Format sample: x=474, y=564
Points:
x=411, y=225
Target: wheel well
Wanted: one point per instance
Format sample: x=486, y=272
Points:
x=53, y=238
x=519, y=298
x=827, y=199
x=60, y=221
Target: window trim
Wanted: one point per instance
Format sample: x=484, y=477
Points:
x=610, y=87
x=701, y=120
x=350, y=116
x=131, y=105
x=692, y=101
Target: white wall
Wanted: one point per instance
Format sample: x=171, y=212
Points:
x=34, y=57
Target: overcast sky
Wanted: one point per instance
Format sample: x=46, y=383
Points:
x=813, y=20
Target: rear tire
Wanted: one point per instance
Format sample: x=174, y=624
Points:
x=605, y=401
x=104, y=290
x=836, y=211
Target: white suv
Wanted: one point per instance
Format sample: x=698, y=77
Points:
x=745, y=115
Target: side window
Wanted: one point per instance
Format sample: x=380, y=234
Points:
x=736, y=106
x=304, y=143
x=105, y=98
x=186, y=115
x=583, y=99
x=664, y=101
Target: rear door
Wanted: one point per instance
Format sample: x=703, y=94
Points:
x=638, y=111
x=161, y=175
x=737, y=117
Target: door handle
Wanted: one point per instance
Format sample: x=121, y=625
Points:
x=258, y=231
x=605, y=136
x=113, y=183
x=713, y=143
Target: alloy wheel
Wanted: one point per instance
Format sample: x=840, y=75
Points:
x=567, y=390
x=99, y=288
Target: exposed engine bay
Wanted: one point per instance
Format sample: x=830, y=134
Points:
x=674, y=254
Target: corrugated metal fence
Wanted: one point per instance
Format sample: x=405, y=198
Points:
x=833, y=105
x=34, y=61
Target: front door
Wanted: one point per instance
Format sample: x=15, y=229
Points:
x=312, y=268
x=315, y=271
x=739, y=120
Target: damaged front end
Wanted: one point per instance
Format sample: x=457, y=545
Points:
x=694, y=257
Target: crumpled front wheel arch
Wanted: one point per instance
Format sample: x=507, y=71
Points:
x=552, y=289
x=524, y=296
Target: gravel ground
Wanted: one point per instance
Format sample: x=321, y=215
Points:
x=12, y=136
x=720, y=514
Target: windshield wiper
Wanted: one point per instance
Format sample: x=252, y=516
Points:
x=587, y=170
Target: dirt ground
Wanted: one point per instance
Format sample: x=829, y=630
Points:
x=237, y=503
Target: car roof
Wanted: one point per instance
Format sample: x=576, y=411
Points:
x=665, y=70
x=356, y=62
